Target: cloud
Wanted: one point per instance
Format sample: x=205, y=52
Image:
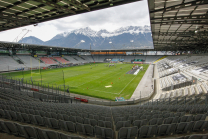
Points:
x=132, y=14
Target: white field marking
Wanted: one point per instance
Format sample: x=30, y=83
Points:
x=108, y=86
x=126, y=85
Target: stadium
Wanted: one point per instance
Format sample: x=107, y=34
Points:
x=50, y=92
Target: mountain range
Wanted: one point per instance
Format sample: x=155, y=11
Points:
x=86, y=38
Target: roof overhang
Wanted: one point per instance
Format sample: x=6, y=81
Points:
x=16, y=13
x=179, y=25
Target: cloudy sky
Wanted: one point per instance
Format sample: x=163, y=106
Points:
x=133, y=14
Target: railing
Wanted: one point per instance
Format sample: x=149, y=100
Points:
x=42, y=93
x=47, y=90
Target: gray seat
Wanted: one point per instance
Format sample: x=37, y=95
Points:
x=159, y=121
x=79, y=119
x=60, y=117
x=171, y=129
x=33, y=119
x=7, y=114
x=127, y=133
x=42, y=113
x=131, y=118
x=21, y=130
x=200, y=125
x=13, y=115
x=86, y=121
x=39, y=120
x=181, y=127
x=153, y=121
x=108, y=119
x=51, y=134
x=66, y=117
x=22, y=110
x=48, y=115
x=84, y=129
x=139, y=123
x=84, y=115
x=25, y=117
x=96, y=117
x=62, y=125
x=72, y=119
x=31, y=112
x=106, y=124
x=162, y=129
x=41, y=133
x=168, y=120
x=93, y=122
x=186, y=119
x=53, y=115
x=30, y=132
x=179, y=114
x=143, y=131
x=175, y=119
x=143, y=117
x=189, y=127
x=199, y=117
x=105, y=133
x=119, y=119
x=152, y=131
x=121, y=124
x=52, y=123
x=71, y=127
x=89, y=130
x=10, y=128
x=2, y=113
x=37, y=112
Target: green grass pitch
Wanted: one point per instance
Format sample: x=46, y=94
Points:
x=89, y=81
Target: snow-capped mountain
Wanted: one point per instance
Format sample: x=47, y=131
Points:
x=104, y=33
x=124, y=37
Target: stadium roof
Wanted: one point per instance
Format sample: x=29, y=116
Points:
x=179, y=24
x=17, y=13
x=23, y=46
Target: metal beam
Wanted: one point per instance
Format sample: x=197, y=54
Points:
x=16, y=18
x=180, y=6
x=179, y=41
x=56, y=6
x=12, y=5
x=199, y=22
x=191, y=33
x=77, y=4
x=192, y=17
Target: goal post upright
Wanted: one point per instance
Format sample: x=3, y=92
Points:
x=31, y=66
x=39, y=66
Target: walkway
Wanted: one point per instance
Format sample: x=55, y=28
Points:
x=145, y=85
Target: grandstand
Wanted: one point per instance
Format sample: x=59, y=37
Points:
x=170, y=101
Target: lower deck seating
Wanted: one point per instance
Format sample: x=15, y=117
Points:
x=85, y=120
